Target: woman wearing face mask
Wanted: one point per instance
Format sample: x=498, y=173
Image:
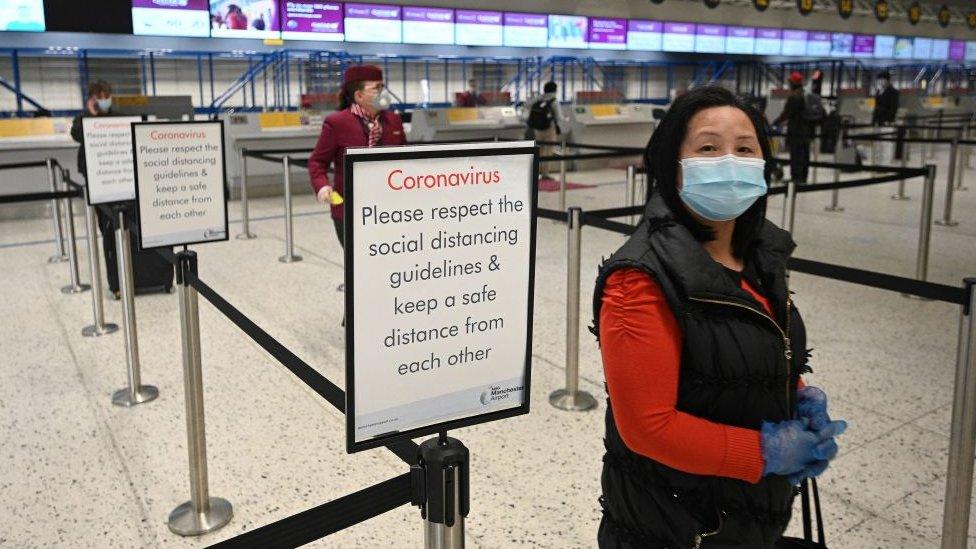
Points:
x=363, y=120
x=709, y=426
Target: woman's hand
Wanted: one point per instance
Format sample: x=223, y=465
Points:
x=92, y=106
x=791, y=449
x=811, y=404
x=324, y=194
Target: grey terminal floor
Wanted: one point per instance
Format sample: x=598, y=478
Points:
x=77, y=472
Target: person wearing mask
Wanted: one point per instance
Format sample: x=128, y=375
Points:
x=471, y=97
x=363, y=120
x=99, y=103
x=544, y=118
x=708, y=426
x=799, y=133
x=885, y=101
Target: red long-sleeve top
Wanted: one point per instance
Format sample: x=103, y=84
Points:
x=641, y=346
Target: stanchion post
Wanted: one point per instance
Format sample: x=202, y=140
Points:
x=572, y=398
x=445, y=488
x=789, y=206
x=961, y=170
x=631, y=188
x=289, y=256
x=99, y=327
x=946, y=220
x=245, y=214
x=61, y=254
x=962, y=438
x=906, y=147
x=815, y=144
x=136, y=392
x=562, y=175
x=835, y=195
x=925, y=225
x=202, y=513
x=75, y=287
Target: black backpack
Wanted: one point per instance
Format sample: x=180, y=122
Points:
x=813, y=109
x=540, y=114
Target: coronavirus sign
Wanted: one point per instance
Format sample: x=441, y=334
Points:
x=440, y=255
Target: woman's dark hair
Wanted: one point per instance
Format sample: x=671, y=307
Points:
x=550, y=87
x=99, y=87
x=663, y=153
x=347, y=96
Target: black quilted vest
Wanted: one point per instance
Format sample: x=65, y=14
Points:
x=738, y=367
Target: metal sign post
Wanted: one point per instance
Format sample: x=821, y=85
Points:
x=99, y=327
x=245, y=215
x=289, y=256
x=446, y=499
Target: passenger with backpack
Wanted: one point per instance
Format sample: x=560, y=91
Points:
x=543, y=122
x=802, y=113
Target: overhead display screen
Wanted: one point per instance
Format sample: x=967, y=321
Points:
x=608, y=34
x=710, y=38
x=312, y=20
x=794, y=42
x=644, y=35
x=22, y=16
x=171, y=17
x=769, y=42
x=526, y=30
x=740, y=40
x=923, y=48
x=478, y=28
x=818, y=44
x=957, y=50
x=884, y=46
x=841, y=44
x=970, y=50
x=903, y=47
x=679, y=37
x=863, y=45
x=567, y=31
x=940, y=50
x=244, y=19
x=373, y=23
x=428, y=25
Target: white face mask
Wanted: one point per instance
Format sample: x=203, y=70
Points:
x=721, y=188
x=104, y=104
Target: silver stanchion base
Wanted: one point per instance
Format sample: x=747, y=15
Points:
x=290, y=258
x=833, y=209
x=96, y=331
x=72, y=289
x=944, y=223
x=900, y=197
x=246, y=236
x=145, y=393
x=57, y=258
x=579, y=402
x=916, y=297
x=187, y=522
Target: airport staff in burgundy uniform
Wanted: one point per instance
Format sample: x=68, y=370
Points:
x=363, y=120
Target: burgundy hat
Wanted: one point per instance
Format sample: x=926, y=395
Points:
x=796, y=77
x=360, y=73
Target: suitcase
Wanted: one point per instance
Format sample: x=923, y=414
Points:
x=150, y=272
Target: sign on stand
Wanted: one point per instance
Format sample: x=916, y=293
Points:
x=108, y=158
x=440, y=262
x=181, y=188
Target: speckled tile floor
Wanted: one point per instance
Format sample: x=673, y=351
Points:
x=78, y=472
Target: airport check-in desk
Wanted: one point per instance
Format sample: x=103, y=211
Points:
x=460, y=123
x=613, y=124
x=29, y=140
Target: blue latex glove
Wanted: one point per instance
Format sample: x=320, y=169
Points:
x=788, y=447
x=811, y=403
x=815, y=469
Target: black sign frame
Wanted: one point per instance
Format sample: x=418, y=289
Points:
x=348, y=252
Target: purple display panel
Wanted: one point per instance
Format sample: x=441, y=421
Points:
x=769, y=41
x=244, y=19
x=740, y=40
x=818, y=44
x=428, y=25
x=607, y=34
x=644, y=35
x=863, y=45
x=710, y=38
x=526, y=30
x=957, y=50
x=478, y=28
x=794, y=42
x=679, y=37
x=170, y=17
x=312, y=20
x=373, y=23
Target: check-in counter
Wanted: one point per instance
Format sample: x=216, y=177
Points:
x=460, y=123
x=611, y=124
x=855, y=105
x=29, y=140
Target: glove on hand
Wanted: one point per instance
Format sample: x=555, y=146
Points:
x=788, y=447
x=812, y=404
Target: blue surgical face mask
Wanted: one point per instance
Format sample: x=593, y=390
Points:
x=723, y=187
x=104, y=104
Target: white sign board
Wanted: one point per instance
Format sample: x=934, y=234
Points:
x=440, y=257
x=108, y=158
x=180, y=184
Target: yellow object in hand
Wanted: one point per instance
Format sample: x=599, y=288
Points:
x=335, y=198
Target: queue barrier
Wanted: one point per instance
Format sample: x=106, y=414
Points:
x=56, y=196
x=962, y=448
